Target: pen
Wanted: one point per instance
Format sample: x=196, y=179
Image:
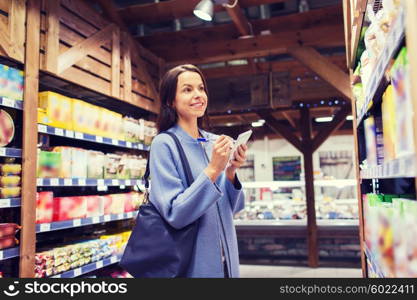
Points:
x=210, y=140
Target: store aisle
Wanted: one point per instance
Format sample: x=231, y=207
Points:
x=261, y=271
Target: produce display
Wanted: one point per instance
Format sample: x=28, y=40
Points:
x=11, y=82
x=10, y=179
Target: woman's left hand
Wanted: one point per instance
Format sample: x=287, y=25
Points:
x=239, y=159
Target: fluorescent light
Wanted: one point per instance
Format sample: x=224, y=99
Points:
x=324, y=119
x=204, y=10
x=261, y=121
x=257, y=124
x=349, y=118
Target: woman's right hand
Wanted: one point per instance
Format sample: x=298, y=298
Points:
x=219, y=157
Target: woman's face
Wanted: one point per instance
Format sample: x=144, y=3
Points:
x=191, y=98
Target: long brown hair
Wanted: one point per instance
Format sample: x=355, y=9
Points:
x=168, y=116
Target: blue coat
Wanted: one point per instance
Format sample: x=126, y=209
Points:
x=214, y=203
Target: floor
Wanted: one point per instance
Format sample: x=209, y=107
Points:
x=261, y=271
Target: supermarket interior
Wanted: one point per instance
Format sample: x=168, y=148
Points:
x=325, y=86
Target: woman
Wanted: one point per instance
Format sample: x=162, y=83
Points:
x=216, y=193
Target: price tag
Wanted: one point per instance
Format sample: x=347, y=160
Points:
x=2, y=152
x=4, y=203
x=8, y=102
x=57, y=276
x=140, y=147
x=96, y=220
x=107, y=218
x=130, y=214
x=79, y=135
x=128, y=182
x=76, y=222
x=42, y=128
x=122, y=187
x=99, y=139
x=81, y=182
x=45, y=227
x=67, y=182
x=100, y=182
x=115, y=182
x=129, y=144
x=121, y=216
x=102, y=188
x=1, y=255
x=99, y=264
x=39, y=182
x=115, y=142
x=77, y=272
x=69, y=134
x=59, y=131
x=54, y=182
x=113, y=259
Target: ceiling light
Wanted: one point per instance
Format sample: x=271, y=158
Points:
x=261, y=121
x=324, y=119
x=204, y=10
x=349, y=118
x=257, y=124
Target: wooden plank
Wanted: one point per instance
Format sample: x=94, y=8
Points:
x=239, y=19
x=319, y=64
x=359, y=16
x=76, y=53
x=280, y=129
x=306, y=129
x=290, y=119
x=127, y=68
x=348, y=27
x=5, y=42
x=111, y=13
x=115, y=66
x=5, y=5
x=259, y=46
x=30, y=136
x=52, y=31
x=86, y=12
x=334, y=125
x=17, y=17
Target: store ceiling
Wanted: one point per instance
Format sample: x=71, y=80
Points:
x=241, y=71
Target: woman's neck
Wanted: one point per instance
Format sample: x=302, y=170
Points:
x=190, y=127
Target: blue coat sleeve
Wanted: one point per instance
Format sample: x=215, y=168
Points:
x=236, y=196
x=179, y=205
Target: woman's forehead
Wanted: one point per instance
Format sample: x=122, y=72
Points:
x=189, y=77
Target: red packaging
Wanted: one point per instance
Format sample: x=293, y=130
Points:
x=68, y=208
x=107, y=202
x=95, y=206
x=7, y=242
x=8, y=229
x=129, y=203
x=44, y=207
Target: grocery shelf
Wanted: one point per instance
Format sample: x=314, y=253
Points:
x=281, y=184
x=10, y=152
x=17, y=104
x=46, y=227
x=9, y=253
x=301, y=223
x=10, y=202
x=89, y=267
x=394, y=39
x=374, y=263
x=87, y=182
x=90, y=138
x=397, y=168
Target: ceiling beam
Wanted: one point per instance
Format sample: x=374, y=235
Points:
x=323, y=67
x=110, y=12
x=174, y=9
x=260, y=46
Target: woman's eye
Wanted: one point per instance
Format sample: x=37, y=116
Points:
x=201, y=88
x=187, y=90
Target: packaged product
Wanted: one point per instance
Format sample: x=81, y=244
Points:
x=49, y=164
x=58, y=109
x=399, y=238
x=131, y=129
x=117, y=204
x=10, y=169
x=385, y=238
x=7, y=129
x=10, y=192
x=107, y=203
x=80, y=115
x=142, y=130
x=389, y=124
x=112, y=165
x=95, y=206
x=44, y=207
x=123, y=170
x=96, y=162
x=116, y=126
x=10, y=181
x=4, y=92
x=8, y=229
x=68, y=208
x=410, y=213
x=79, y=163
x=96, y=120
x=129, y=205
x=370, y=139
x=8, y=242
x=105, y=117
x=66, y=161
x=15, y=84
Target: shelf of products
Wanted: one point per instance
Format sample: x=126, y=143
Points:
x=289, y=184
x=9, y=253
x=11, y=202
x=376, y=270
x=7, y=102
x=90, y=138
x=397, y=168
x=44, y=182
x=46, y=227
x=89, y=267
x=10, y=152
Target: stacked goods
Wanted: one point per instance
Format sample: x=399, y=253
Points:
x=389, y=124
x=44, y=207
x=59, y=111
x=11, y=83
x=374, y=141
x=62, y=259
x=7, y=129
x=69, y=208
x=70, y=162
x=117, y=241
x=7, y=235
x=10, y=179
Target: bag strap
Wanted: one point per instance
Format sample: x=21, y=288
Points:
x=184, y=161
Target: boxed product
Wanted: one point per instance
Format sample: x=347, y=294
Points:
x=80, y=116
x=44, y=207
x=141, y=133
x=10, y=169
x=96, y=162
x=370, y=139
x=7, y=129
x=8, y=229
x=410, y=213
x=116, y=126
x=131, y=129
x=66, y=161
x=399, y=238
x=4, y=92
x=385, y=238
x=112, y=165
x=10, y=181
x=117, y=203
x=49, y=164
x=400, y=77
x=389, y=124
x=79, y=163
x=57, y=109
x=68, y=208
x=123, y=170
x=15, y=84
x=129, y=205
x=105, y=118
x=8, y=242
x=107, y=204
x=95, y=206
x=10, y=192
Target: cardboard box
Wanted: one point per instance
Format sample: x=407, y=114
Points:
x=58, y=110
x=95, y=206
x=107, y=203
x=44, y=207
x=69, y=208
x=66, y=161
x=79, y=163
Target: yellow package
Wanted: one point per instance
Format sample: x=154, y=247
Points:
x=105, y=123
x=56, y=110
x=389, y=124
x=82, y=116
x=116, y=125
x=95, y=120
